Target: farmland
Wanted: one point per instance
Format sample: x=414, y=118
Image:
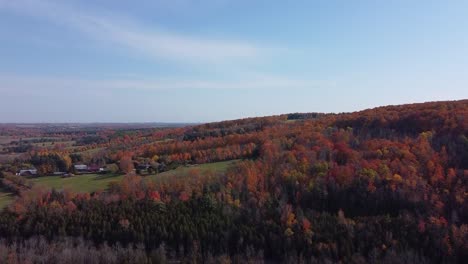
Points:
x=5, y=198
x=79, y=183
x=183, y=172
x=88, y=183
x=99, y=182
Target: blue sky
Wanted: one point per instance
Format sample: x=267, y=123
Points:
x=200, y=61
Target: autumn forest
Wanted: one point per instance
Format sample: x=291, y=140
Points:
x=383, y=185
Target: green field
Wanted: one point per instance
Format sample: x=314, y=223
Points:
x=94, y=182
x=5, y=199
x=184, y=171
x=78, y=183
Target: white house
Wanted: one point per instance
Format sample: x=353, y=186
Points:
x=81, y=167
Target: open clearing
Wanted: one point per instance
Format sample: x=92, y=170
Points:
x=78, y=183
x=95, y=182
x=5, y=198
x=184, y=171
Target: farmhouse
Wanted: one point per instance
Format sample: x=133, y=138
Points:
x=81, y=167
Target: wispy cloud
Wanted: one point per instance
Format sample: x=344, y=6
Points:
x=137, y=38
x=149, y=42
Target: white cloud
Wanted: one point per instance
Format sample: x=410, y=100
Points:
x=155, y=43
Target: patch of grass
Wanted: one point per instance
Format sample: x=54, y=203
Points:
x=293, y=120
x=184, y=171
x=79, y=183
x=164, y=140
x=5, y=199
x=94, y=182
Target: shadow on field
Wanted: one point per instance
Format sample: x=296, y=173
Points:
x=105, y=176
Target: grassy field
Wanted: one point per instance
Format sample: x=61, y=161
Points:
x=95, y=182
x=5, y=199
x=184, y=171
x=78, y=183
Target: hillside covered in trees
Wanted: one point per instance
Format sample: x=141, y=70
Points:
x=383, y=185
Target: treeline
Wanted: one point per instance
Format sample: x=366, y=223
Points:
x=13, y=183
x=201, y=228
x=72, y=250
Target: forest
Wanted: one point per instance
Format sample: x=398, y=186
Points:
x=382, y=185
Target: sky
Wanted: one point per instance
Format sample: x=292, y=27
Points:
x=203, y=61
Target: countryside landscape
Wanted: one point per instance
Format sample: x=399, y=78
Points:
x=233, y=131
x=381, y=185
